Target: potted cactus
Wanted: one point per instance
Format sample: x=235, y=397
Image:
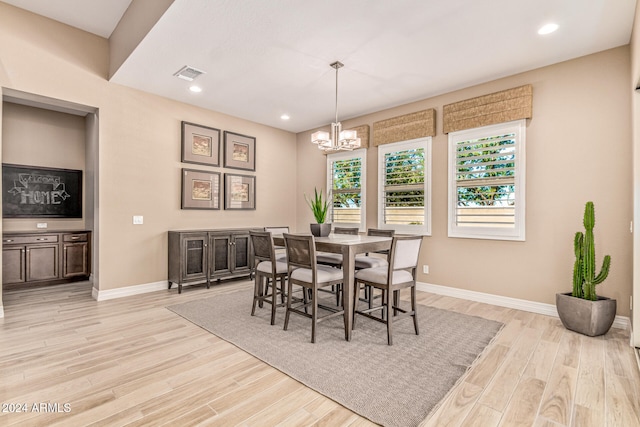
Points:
x=582, y=310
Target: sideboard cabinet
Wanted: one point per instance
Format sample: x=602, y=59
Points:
x=202, y=256
x=30, y=258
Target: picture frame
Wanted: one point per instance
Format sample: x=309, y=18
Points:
x=200, y=144
x=239, y=151
x=239, y=192
x=41, y=192
x=200, y=189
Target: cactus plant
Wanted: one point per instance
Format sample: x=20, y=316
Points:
x=584, y=275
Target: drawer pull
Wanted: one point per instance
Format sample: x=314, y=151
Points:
x=42, y=238
x=8, y=240
x=75, y=237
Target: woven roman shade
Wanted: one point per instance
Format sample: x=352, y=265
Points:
x=403, y=128
x=363, y=134
x=498, y=107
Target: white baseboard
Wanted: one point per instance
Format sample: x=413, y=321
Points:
x=99, y=295
x=620, y=322
x=1, y=312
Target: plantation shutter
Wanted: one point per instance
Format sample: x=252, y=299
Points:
x=346, y=188
x=485, y=181
x=404, y=185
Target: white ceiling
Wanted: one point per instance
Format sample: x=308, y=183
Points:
x=267, y=58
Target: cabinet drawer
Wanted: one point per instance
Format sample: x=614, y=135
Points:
x=76, y=237
x=21, y=240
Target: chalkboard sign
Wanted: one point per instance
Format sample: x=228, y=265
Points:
x=38, y=192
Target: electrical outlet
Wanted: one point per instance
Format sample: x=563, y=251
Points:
x=138, y=219
x=41, y=225
x=425, y=269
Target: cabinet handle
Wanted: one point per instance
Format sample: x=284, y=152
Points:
x=8, y=240
x=75, y=237
x=43, y=238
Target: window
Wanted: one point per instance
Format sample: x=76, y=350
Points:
x=346, y=174
x=404, y=186
x=486, y=182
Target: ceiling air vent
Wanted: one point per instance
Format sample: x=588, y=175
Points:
x=188, y=73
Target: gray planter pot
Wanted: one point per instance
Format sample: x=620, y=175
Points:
x=320, y=230
x=591, y=318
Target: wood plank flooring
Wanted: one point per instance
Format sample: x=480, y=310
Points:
x=131, y=362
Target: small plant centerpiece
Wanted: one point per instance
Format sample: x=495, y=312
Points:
x=319, y=206
x=582, y=310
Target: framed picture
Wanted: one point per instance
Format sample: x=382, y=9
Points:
x=200, y=189
x=239, y=151
x=200, y=144
x=39, y=192
x=239, y=191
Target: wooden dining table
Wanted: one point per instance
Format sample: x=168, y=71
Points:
x=349, y=246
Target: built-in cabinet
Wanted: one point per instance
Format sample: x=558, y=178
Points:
x=202, y=256
x=45, y=258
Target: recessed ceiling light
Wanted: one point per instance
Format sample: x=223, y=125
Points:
x=196, y=89
x=285, y=117
x=547, y=29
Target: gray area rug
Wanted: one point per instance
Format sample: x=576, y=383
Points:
x=395, y=385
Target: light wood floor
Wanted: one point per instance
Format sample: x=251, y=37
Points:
x=132, y=362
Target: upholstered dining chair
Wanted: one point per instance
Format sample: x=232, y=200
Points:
x=280, y=252
x=335, y=260
x=381, y=259
x=399, y=274
x=303, y=270
x=268, y=271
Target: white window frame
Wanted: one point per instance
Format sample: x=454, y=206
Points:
x=384, y=149
x=517, y=233
x=348, y=155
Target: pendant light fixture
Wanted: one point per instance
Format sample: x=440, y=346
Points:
x=338, y=139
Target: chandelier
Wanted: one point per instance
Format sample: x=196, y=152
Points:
x=339, y=139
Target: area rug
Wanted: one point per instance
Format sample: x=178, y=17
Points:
x=395, y=385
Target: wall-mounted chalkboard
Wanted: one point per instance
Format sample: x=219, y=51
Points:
x=38, y=192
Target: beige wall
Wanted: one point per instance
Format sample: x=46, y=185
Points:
x=36, y=137
x=578, y=149
x=635, y=112
x=138, y=149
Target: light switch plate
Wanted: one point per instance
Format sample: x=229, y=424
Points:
x=137, y=219
x=41, y=225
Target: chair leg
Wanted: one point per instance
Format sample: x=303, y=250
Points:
x=256, y=284
x=288, y=311
x=356, y=298
x=314, y=314
x=282, y=287
x=274, y=299
x=389, y=318
x=413, y=308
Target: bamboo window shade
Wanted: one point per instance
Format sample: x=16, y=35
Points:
x=498, y=107
x=363, y=134
x=406, y=127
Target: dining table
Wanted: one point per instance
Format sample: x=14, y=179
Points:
x=349, y=246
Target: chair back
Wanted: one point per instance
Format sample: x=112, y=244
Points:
x=277, y=230
x=301, y=251
x=404, y=253
x=381, y=233
x=263, y=247
x=346, y=230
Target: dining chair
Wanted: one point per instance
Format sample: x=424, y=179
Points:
x=399, y=274
x=268, y=270
x=381, y=259
x=332, y=259
x=280, y=253
x=303, y=270
x=335, y=260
